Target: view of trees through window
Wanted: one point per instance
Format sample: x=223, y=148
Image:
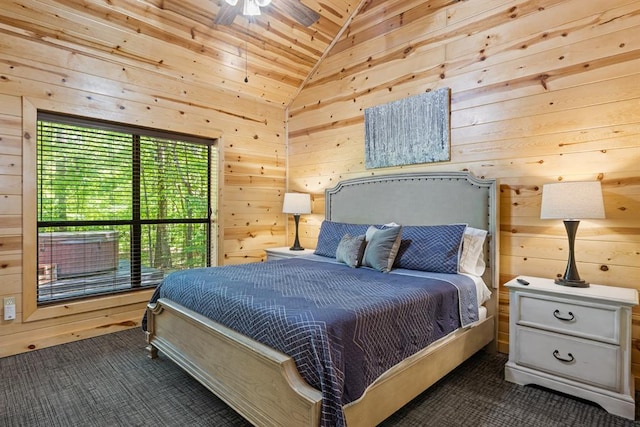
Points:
x=118, y=208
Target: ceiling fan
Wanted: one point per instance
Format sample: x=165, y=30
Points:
x=298, y=11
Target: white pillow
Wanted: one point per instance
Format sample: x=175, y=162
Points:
x=471, y=259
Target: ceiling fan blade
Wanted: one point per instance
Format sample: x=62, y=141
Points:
x=227, y=13
x=301, y=13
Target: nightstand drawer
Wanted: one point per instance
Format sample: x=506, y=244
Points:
x=587, y=321
x=581, y=360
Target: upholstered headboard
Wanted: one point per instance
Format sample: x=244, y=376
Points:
x=429, y=198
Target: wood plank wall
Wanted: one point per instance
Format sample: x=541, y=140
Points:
x=54, y=74
x=542, y=91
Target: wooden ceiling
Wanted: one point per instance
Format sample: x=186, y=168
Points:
x=179, y=37
x=274, y=51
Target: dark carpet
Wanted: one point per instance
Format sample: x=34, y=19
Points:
x=109, y=381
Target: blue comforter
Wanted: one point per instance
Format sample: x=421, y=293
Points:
x=344, y=327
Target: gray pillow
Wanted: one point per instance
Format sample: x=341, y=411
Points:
x=382, y=247
x=350, y=250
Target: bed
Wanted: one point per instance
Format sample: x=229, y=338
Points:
x=264, y=384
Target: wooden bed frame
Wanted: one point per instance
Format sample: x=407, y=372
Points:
x=263, y=384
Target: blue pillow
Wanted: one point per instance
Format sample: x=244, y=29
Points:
x=332, y=232
x=433, y=248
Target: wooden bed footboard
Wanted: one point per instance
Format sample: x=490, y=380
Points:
x=407, y=380
x=263, y=384
x=260, y=383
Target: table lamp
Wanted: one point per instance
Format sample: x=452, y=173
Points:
x=571, y=202
x=296, y=204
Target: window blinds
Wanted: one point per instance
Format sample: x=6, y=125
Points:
x=118, y=207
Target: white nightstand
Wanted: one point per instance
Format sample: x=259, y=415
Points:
x=573, y=340
x=285, y=252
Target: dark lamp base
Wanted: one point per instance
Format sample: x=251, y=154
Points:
x=572, y=283
x=296, y=243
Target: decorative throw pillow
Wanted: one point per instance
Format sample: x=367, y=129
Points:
x=382, y=247
x=471, y=259
x=350, y=250
x=433, y=248
x=331, y=233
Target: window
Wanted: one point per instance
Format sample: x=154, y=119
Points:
x=118, y=207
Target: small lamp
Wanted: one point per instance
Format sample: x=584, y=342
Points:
x=296, y=204
x=571, y=202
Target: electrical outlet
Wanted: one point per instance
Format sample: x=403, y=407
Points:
x=9, y=308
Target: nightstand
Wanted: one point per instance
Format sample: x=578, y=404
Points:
x=573, y=340
x=284, y=252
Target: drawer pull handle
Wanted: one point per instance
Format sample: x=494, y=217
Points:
x=556, y=354
x=566, y=319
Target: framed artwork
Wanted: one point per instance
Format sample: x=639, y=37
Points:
x=408, y=131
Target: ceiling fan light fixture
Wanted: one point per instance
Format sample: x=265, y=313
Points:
x=251, y=8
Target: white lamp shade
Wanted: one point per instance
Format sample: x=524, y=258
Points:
x=572, y=200
x=296, y=203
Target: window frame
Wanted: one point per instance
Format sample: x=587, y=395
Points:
x=126, y=301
